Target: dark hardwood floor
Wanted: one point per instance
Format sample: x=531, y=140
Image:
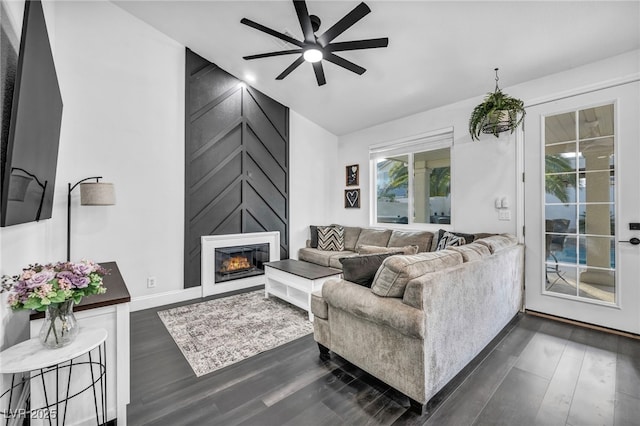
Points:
x=537, y=372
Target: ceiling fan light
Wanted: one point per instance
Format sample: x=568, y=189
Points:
x=312, y=55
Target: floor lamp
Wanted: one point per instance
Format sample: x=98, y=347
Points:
x=91, y=194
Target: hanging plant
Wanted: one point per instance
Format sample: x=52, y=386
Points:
x=498, y=113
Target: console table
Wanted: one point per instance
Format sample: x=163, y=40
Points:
x=53, y=369
x=295, y=280
x=111, y=312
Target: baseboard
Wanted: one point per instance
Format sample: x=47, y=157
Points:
x=584, y=324
x=160, y=299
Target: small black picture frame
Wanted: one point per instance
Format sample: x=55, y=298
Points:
x=352, y=173
x=352, y=198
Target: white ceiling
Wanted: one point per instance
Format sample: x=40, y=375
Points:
x=439, y=52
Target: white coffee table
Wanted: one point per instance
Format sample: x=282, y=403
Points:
x=294, y=281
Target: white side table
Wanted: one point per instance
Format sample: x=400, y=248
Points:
x=29, y=360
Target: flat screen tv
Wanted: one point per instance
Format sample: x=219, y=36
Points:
x=30, y=151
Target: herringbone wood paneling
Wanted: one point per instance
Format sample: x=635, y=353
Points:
x=237, y=161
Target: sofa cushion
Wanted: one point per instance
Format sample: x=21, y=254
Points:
x=450, y=240
x=422, y=239
x=334, y=259
x=323, y=257
x=496, y=243
x=373, y=237
x=471, y=252
x=362, y=250
x=314, y=255
x=362, y=269
x=396, y=271
x=331, y=238
x=351, y=234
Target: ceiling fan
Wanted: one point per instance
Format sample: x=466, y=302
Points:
x=316, y=48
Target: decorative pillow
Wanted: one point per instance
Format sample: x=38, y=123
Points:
x=331, y=238
x=362, y=269
x=396, y=271
x=314, y=236
x=351, y=234
x=469, y=238
x=450, y=240
x=365, y=249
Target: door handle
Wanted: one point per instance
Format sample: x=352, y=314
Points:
x=634, y=241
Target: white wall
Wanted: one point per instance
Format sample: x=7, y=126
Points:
x=122, y=85
x=312, y=153
x=482, y=170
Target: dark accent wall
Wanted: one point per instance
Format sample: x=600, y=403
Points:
x=236, y=161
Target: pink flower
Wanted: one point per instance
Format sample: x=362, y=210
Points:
x=12, y=299
x=27, y=274
x=44, y=290
x=64, y=284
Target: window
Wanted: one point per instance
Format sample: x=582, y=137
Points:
x=412, y=180
x=579, y=209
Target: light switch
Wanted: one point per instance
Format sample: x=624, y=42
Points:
x=504, y=215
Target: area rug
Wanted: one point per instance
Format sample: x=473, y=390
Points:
x=220, y=332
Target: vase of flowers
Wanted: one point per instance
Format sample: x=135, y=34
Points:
x=54, y=289
x=60, y=326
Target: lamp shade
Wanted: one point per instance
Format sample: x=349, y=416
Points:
x=97, y=194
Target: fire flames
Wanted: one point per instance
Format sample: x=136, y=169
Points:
x=236, y=263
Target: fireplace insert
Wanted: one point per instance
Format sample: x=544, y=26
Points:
x=232, y=263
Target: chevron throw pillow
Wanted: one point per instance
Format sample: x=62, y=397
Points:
x=450, y=240
x=331, y=238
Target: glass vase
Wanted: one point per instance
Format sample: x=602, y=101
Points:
x=60, y=326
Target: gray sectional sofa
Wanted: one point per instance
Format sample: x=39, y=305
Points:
x=355, y=237
x=426, y=316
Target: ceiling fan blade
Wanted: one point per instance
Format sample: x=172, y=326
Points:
x=317, y=68
x=270, y=54
x=344, y=63
x=357, y=44
x=359, y=12
x=305, y=21
x=290, y=68
x=271, y=32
